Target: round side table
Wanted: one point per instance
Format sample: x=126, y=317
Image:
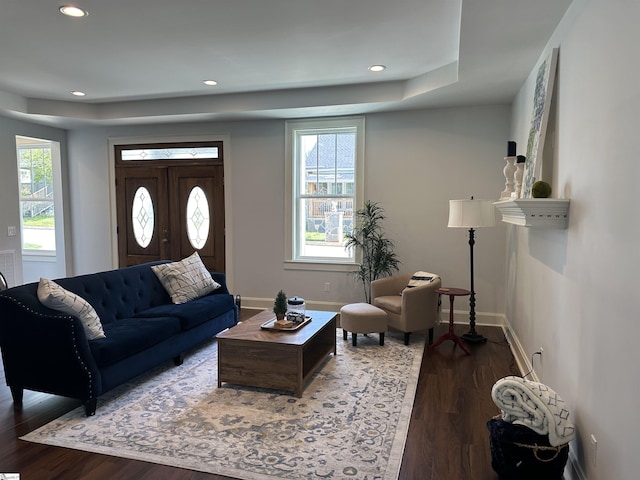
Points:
x=450, y=335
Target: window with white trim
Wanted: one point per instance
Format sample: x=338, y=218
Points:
x=325, y=162
x=39, y=164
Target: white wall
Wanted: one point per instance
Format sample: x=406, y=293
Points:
x=9, y=201
x=573, y=291
x=418, y=161
x=415, y=162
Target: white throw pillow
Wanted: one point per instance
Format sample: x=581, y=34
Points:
x=421, y=278
x=185, y=280
x=54, y=296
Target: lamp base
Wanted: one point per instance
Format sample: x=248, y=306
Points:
x=473, y=338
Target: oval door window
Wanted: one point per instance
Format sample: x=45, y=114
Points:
x=197, y=218
x=142, y=217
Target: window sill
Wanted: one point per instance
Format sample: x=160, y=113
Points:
x=42, y=256
x=320, y=266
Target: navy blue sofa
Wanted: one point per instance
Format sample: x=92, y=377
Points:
x=47, y=351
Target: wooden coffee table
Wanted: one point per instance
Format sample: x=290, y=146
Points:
x=278, y=360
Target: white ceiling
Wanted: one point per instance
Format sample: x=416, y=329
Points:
x=143, y=61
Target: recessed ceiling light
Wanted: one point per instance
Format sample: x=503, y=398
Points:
x=211, y=83
x=78, y=93
x=73, y=11
x=377, y=68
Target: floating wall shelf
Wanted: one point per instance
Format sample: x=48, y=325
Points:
x=535, y=212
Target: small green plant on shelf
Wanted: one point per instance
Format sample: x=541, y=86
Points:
x=280, y=305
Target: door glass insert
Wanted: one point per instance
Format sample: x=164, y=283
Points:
x=197, y=217
x=175, y=153
x=142, y=217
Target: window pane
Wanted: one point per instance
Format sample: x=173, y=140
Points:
x=329, y=169
x=325, y=223
x=197, y=218
x=36, y=197
x=142, y=217
x=329, y=162
x=170, y=153
x=309, y=153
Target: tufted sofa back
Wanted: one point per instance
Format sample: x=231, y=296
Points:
x=120, y=293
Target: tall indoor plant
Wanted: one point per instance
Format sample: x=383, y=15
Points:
x=378, y=258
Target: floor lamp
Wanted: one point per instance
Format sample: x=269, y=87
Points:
x=471, y=214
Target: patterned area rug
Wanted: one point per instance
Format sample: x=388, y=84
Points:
x=351, y=422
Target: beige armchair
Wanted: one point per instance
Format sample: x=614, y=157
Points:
x=411, y=310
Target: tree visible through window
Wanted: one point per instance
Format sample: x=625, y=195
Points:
x=325, y=161
x=36, y=196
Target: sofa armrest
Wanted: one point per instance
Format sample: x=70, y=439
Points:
x=46, y=351
x=420, y=305
x=220, y=278
x=388, y=286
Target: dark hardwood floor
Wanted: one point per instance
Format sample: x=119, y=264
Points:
x=447, y=439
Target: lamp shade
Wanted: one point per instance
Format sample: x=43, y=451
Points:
x=471, y=213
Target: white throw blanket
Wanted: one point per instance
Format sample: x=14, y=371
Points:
x=533, y=405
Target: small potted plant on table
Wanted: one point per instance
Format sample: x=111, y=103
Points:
x=280, y=305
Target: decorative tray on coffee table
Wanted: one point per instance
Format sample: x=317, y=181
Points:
x=289, y=327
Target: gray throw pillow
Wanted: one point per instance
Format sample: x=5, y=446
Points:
x=54, y=296
x=185, y=280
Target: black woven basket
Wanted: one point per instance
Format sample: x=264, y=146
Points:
x=519, y=453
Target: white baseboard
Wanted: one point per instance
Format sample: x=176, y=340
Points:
x=521, y=357
x=482, y=318
x=459, y=316
x=573, y=470
x=265, y=303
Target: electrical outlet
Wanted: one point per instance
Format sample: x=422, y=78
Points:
x=327, y=287
x=541, y=351
x=12, y=231
x=594, y=450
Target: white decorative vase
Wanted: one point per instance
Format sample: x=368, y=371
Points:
x=517, y=180
x=509, y=170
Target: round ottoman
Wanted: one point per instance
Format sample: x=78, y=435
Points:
x=362, y=318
